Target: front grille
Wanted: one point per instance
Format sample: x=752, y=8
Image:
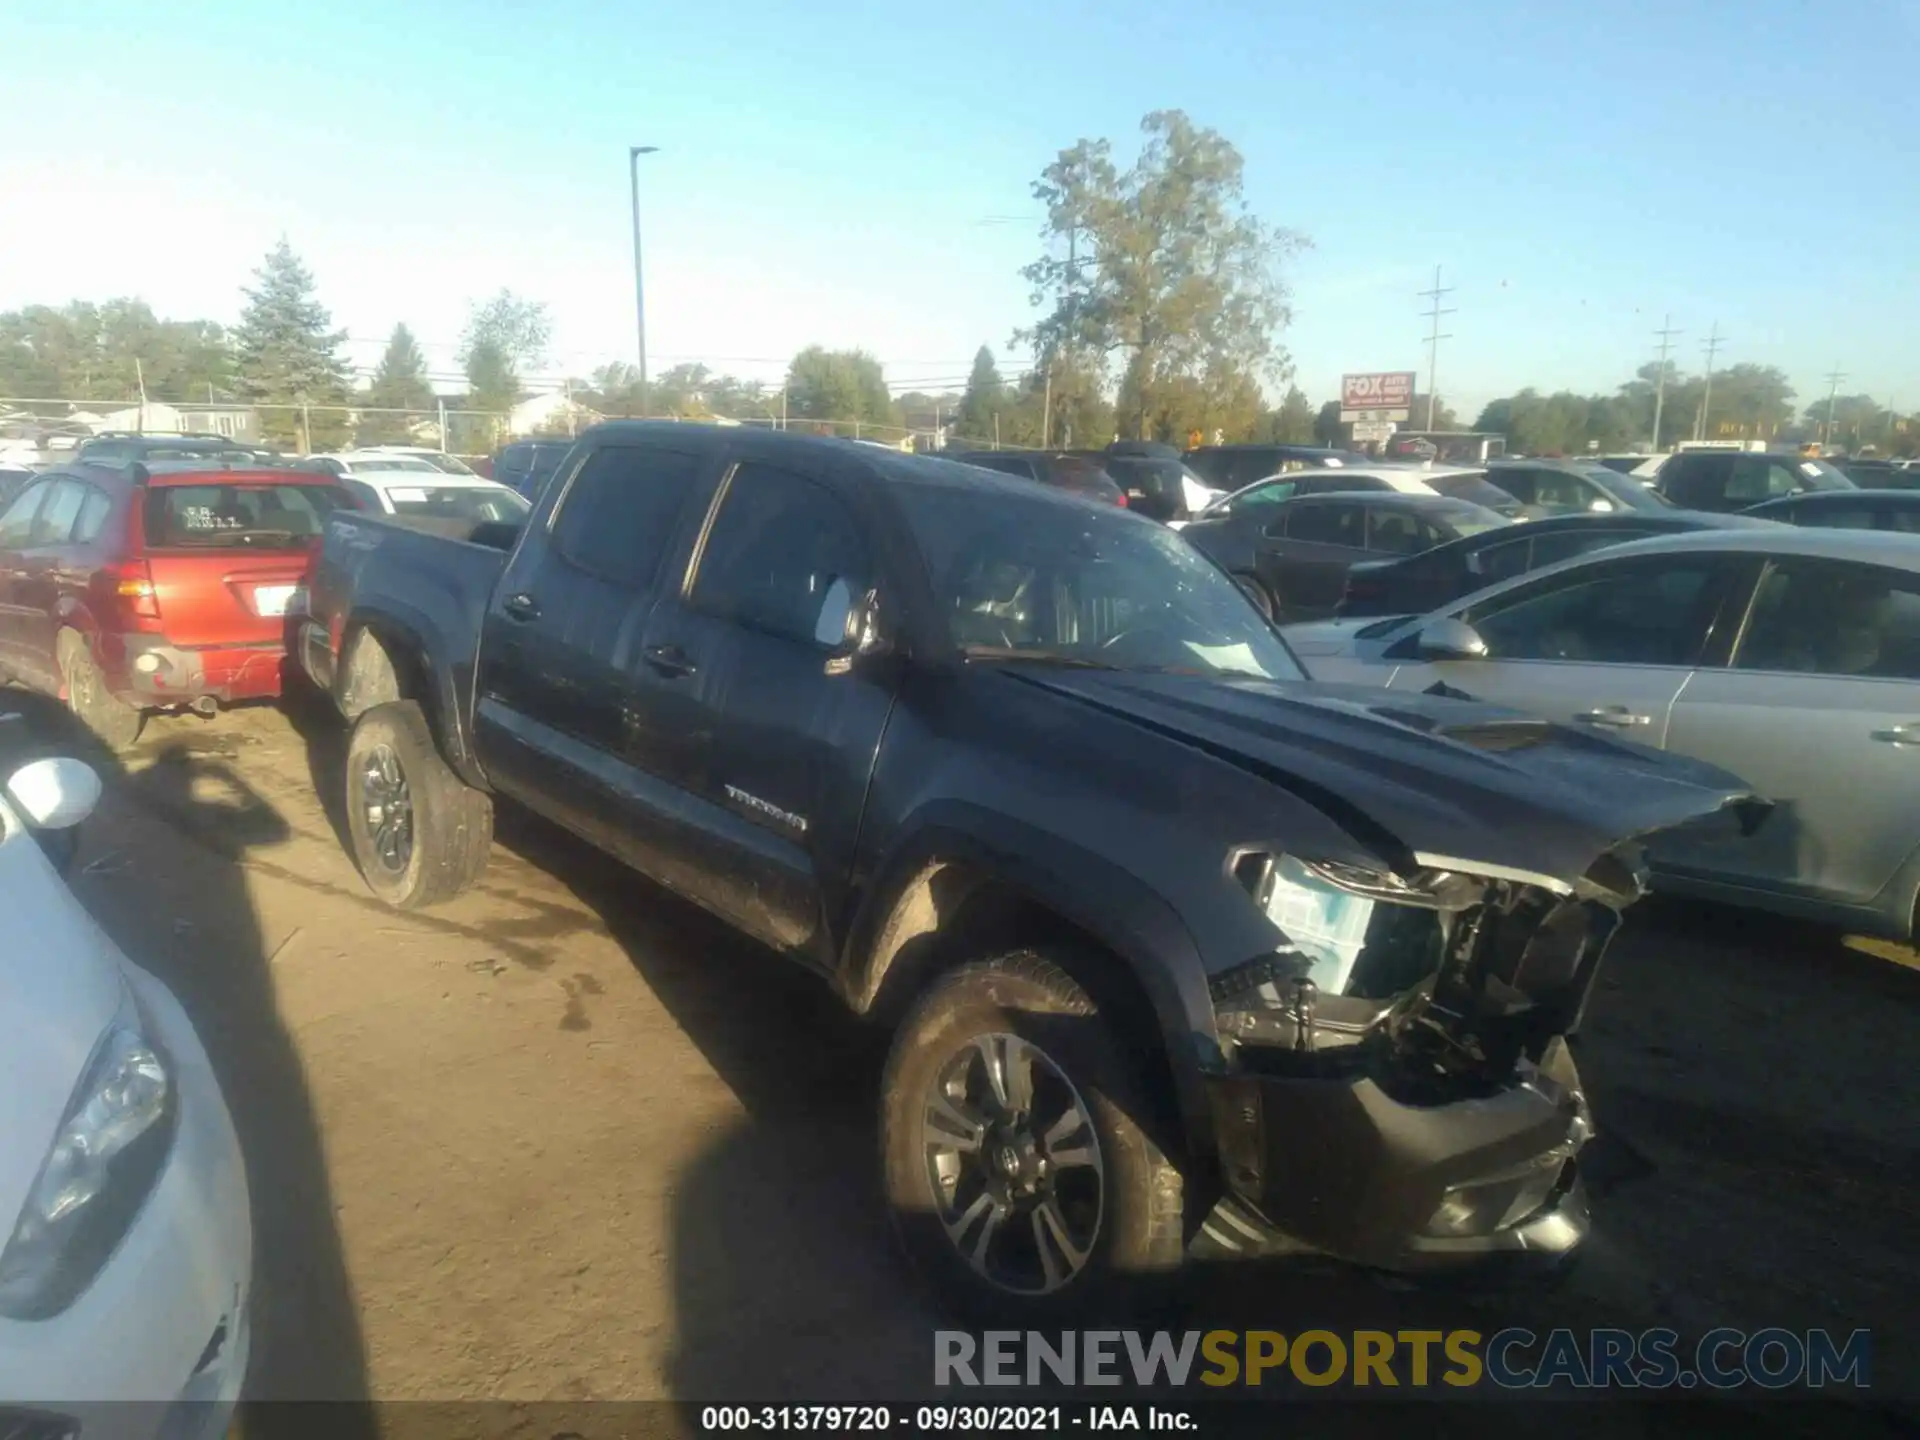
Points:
x=36, y=1425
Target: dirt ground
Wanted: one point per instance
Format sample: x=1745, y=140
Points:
x=567, y=1139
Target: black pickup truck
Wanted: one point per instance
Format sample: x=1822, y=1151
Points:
x=1159, y=927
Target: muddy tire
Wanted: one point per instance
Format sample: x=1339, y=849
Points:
x=420, y=833
x=112, y=722
x=1036, y=1202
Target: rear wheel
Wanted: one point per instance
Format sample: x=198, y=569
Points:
x=113, y=723
x=1019, y=1169
x=420, y=833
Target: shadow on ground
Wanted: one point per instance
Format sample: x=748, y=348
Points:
x=190, y=921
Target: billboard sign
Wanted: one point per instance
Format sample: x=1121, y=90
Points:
x=1377, y=394
x=1373, y=430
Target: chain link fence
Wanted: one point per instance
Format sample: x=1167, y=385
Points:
x=40, y=430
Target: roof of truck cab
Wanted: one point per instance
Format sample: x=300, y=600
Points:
x=846, y=456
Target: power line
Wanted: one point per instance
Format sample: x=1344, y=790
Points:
x=1666, y=332
x=1434, y=338
x=1712, y=347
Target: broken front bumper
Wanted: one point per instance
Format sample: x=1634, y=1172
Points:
x=1337, y=1163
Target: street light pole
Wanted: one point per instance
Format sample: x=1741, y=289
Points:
x=634, y=152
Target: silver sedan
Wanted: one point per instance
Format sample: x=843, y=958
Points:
x=1790, y=657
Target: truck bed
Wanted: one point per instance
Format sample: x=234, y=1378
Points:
x=429, y=580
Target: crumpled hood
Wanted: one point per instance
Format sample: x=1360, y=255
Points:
x=1441, y=777
x=60, y=987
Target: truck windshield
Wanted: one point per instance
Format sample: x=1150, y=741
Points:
x=1072, y=585
x=193, y=516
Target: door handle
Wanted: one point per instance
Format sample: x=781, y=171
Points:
x=669, y=660
x=521, y=607
x=1899, y=735
x=1615, y=715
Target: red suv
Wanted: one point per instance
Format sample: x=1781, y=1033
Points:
x=147, y=587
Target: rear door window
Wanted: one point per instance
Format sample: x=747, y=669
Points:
x=1328, y=523
x=54, y=524
x=93, y=514
x=16, y=525
x=1399, y=532
x=1829, y=617
x=1516, y=482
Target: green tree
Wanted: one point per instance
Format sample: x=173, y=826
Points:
x=1327, y=427
x=503, y=335
x=105, y=352
x=1293, y=422
x=839, y=385
x=1166, y=270
x=399, y=384
x=986, y=393
x=287, y=357
x=1852, y=423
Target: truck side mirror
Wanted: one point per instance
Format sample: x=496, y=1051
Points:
x=860, y=631
x=1451, y=639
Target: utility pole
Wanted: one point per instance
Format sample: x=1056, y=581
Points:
x=1834, y=377
x=634, y=152
x=140, y=378
x=1712, y=348
x=1666, y=332
x=1434, y=337
x=1046, y=406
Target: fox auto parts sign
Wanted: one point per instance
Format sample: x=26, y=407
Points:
x=1376, y=395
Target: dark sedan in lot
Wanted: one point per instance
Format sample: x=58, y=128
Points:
x=1888, y=509
x=1410, y=584
x=1293, y=556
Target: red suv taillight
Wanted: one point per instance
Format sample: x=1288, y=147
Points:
x=132, y=585
x=1121, y=500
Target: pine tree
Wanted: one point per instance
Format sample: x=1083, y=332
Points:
x=985, y=394
x=399, y=384
x=287, y=357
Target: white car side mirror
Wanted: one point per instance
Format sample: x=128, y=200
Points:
x=55, y=794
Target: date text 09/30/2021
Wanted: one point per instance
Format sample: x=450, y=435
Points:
x=946, y=1419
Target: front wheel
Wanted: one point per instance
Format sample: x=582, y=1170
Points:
x=420, y=833
x=1019, y=1170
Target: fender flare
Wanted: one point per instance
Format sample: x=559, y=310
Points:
x=1057, y=874
x=409, y=648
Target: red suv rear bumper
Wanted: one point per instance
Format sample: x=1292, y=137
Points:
x=147, y=671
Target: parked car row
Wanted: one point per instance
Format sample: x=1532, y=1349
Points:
x=159, y=583
x=1789, y=655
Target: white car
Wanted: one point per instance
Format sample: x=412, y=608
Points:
x=438, y=459
x=437, y=496
x=1290, y=483
x=128, y=1241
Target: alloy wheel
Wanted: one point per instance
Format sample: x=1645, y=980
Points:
x=386, y=804
x=1014, y=1163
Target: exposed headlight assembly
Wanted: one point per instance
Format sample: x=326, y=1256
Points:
x=110, y=1146
x=1463, y=970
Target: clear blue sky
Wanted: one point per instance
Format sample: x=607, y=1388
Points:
x=1579, y=169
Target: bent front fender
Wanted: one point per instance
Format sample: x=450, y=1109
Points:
x=1091, y=893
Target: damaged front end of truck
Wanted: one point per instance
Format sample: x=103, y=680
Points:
x=1399, y=1089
